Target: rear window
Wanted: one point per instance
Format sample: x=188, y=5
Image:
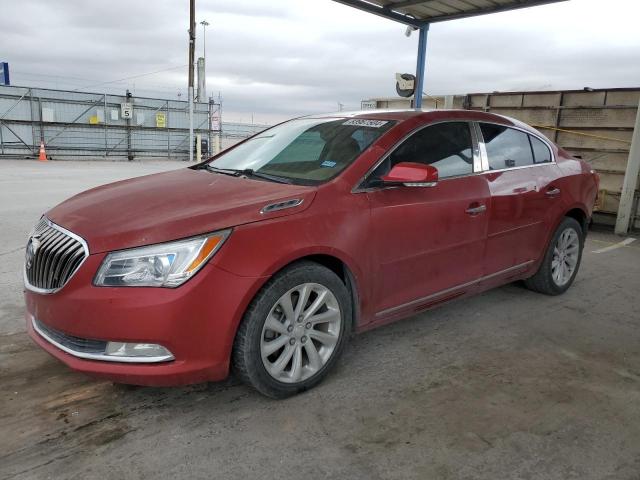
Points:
x=506, y=147
x=541, y=152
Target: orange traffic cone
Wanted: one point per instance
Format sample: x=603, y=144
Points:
x=43, y=154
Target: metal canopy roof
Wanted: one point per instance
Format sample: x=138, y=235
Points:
x=420, y=12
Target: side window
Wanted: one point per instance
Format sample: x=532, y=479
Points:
x=506, y=147
x=541, y=152
x=446, y=146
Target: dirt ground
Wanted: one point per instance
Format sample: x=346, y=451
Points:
x=506, y=385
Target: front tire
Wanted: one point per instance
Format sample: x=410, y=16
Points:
x=561, y=260
x=294, y=331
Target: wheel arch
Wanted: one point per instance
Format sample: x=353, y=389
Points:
x=579, y=214
x=342, y=269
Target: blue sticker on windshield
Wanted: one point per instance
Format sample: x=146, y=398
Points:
x=328, y=163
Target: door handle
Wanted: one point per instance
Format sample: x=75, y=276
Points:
x=479, y=208
x=552, y=192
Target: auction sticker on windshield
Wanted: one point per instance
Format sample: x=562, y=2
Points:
x=357, y=122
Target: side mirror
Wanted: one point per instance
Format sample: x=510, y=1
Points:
x=410, y=174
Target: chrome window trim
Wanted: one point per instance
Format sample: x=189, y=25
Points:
x=478, y=145
x=542, y=138
x=78, y=238
x=435, y=295
x=545, y=142
x=482, y=147
x=97, y=356
x=519, y=168
x=359, y=186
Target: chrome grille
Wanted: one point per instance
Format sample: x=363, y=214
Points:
x=53, y=255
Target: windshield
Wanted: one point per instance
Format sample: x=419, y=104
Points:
x=306, y=151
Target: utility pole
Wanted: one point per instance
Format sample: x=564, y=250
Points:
x=192, y=45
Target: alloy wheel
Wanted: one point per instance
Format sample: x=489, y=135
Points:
x=300, y=333
x=565, y=257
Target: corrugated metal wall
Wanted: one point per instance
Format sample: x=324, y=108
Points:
x=76, y=124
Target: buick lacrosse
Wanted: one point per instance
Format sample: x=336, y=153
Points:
x=266, y=258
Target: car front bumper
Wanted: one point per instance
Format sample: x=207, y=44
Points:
x=195, y=322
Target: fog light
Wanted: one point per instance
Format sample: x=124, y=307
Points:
x=139, y=350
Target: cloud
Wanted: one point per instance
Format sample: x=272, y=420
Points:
x=284, y=58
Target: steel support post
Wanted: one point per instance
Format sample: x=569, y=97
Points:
x=626, y=213
x=128, y=127
x=420, y=67
x=40, y=122
x=191, y=145
x=210, y=127
x=106, y=135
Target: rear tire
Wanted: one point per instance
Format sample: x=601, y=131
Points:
x=293, y=331
x=561, y=261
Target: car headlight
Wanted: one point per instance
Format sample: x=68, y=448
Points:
x=162, y=265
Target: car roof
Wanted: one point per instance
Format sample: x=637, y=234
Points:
x=429, y=116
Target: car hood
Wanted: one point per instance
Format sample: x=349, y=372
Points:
x=167, y=206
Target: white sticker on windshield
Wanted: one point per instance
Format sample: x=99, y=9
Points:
x=358, y=122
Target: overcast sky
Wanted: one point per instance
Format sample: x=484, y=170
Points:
x=280, y=58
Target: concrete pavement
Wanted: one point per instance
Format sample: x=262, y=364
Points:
x=506, y=385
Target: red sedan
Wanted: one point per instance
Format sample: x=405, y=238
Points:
x=265, y=258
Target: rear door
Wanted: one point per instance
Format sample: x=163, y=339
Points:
x=521, y=175
x=428, y=243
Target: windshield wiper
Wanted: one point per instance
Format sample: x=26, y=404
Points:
x=224, y=171
x=248, y=172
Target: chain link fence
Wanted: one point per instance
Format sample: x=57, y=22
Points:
x=76, y=125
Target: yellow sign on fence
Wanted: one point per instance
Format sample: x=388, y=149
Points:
x=161, y=120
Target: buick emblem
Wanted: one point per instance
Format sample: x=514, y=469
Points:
x=32, y=248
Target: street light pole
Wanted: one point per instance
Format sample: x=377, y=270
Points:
x=202, y=68
x=204, y=24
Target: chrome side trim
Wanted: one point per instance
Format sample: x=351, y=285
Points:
x=453, y=289
x=274, y=207
x=420, y=184
x=78, y=238
x=97, y=356
x=520, y=168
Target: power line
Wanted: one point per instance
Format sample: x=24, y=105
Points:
x=129, y=78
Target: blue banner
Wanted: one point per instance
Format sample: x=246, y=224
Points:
x=4, y=73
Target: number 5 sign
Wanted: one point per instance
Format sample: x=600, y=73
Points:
x=126, y=110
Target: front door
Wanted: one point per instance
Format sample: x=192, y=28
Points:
x=428, y=242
